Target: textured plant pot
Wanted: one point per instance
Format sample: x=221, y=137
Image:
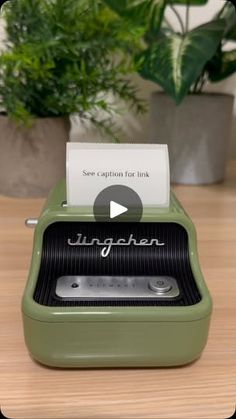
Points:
x=32, y=159
x=197, y=133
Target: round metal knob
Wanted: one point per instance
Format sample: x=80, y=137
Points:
x=160, y=285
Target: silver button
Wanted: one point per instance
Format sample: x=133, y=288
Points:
x=161, y=285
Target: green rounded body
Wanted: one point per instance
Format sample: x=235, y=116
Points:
x=114, y=336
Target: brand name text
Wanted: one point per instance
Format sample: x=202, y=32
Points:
x=110, y=242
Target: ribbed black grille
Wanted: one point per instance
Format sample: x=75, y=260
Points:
x=59, y=259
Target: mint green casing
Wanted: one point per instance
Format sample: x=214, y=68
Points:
x=114, y=336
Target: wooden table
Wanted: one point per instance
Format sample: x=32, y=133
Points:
x=205, y=389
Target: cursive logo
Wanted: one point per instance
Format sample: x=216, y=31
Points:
x=110, y=242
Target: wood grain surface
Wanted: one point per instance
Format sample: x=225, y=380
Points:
x=205, y=389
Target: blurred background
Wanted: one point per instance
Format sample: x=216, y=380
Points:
x=100, y=76
x=137, y=127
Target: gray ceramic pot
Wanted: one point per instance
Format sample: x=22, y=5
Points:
x=32, y=159
x=197, y=133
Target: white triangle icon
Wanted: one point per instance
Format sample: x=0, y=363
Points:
x=116, y=209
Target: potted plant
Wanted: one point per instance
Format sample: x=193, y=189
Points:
x=195, y=124
x=61, y=57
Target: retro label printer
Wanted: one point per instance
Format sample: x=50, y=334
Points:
x=118, y=286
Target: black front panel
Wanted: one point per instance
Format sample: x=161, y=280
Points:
x=165, y=252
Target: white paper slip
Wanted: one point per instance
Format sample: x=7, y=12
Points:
x=142, y=167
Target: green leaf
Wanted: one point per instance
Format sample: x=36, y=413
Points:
x=118, y=6
x=228, y=12
x=140, y=12
x=175, y=62
x=156, y=17
x=190, y=2
x=224, y=67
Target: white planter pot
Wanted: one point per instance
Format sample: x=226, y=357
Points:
x=197, y=133
x=32, y=159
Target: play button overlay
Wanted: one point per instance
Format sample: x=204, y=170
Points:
x=118, y=203
x=116, y=209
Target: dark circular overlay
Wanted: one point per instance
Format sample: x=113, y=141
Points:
x=120, y=195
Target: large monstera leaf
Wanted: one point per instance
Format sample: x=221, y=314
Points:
x=176, y=61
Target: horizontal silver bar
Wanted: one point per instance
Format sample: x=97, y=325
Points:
x=116, y=287
x=31, y=222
